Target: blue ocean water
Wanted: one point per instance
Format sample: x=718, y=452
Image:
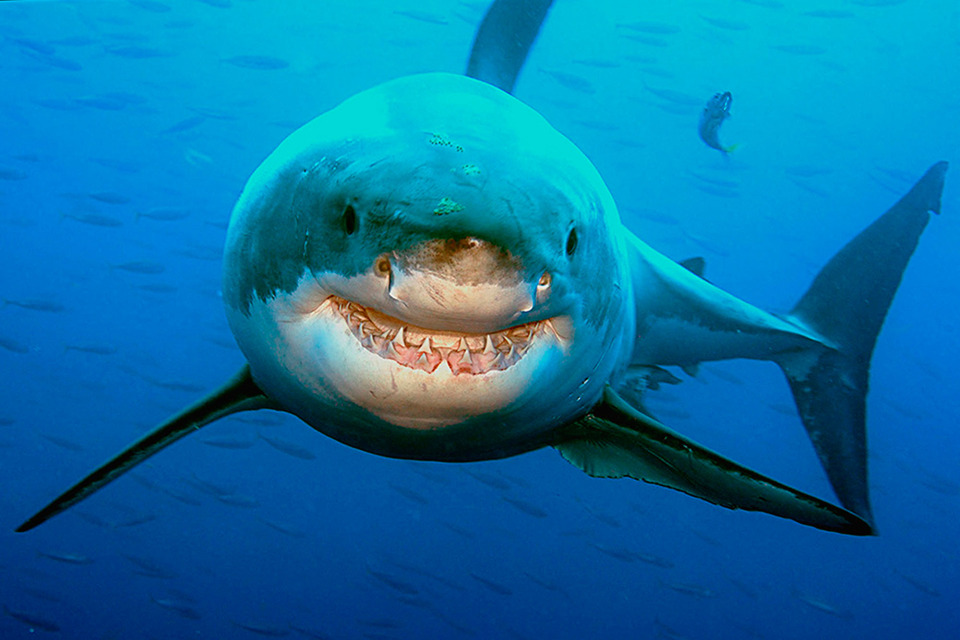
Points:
x=128, y=129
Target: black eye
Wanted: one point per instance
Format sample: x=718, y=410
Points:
x=349, y=220
x=572, y=242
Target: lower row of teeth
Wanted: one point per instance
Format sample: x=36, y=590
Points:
x=472, y=354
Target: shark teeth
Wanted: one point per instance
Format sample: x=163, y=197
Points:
x=426, y=350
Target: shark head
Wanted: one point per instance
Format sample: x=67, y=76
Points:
x=430, y=271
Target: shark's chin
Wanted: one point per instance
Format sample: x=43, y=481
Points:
x=420, y=378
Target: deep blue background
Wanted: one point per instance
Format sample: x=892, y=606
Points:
x=837, y=108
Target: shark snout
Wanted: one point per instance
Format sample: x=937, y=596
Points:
x=466, y=284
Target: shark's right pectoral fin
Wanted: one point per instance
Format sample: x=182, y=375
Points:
x=240, y=393
x=615, y=440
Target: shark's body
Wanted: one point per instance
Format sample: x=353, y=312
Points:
x=431, y=271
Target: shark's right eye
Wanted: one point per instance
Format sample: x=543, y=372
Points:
x=349, y=220
x=572, y=242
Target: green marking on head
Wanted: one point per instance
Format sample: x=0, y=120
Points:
x=447, y=206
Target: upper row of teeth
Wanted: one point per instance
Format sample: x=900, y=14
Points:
x=503, y=341
x=476, y=353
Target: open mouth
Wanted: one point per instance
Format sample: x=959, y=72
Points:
x=425, y=349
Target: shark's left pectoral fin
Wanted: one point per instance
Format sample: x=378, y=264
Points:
x=615, y=440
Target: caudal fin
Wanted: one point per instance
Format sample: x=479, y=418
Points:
x=846, y=304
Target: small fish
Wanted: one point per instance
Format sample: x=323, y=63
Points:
x=66, y=557
x=141, y=266
x=284, y=528
x=656, y=28
x=11, y=174
x=422, y=16
x=829, y=13
x=93, y=219
x=34, y=304
x=182, y=609
x=651, y=559
x=32, y=620
x=162, y=214
x=310, y=633
x=676, y=97
x=262, y=629
x=56, y=62
x=151, y=5
x=800, y=49
x=623, y=555
x=134, y=520
x=821, y=605
x=239, y=500
x=489, y=479
x=135, y=52
x=63, y=443
x=209, y=487
x=571, y=81
x=493, y=586
x=182, y=497
x=730, y=25
x=261, y=63
x=598, y=63
x=226, y=442
x=526, y=507
x=13, y=346
x=289, y=448
x=75, y=41
x=158, y=288
x=689, y=589
x=197, y=158
x=714, y=113
x=57, y=104
x=148, y=568
x=93, y=349
x=109, y=197
x=394, y=583
x=34, y=45
x=409, y=494
x=123, y=166
x=186, y=124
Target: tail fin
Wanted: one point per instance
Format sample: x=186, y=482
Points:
x=846, y=304
x=504, y=39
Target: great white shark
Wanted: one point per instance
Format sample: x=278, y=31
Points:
x=431, y=271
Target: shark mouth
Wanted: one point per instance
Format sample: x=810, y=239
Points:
x=425, y=349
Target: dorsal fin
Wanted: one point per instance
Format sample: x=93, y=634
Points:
x=504, y=40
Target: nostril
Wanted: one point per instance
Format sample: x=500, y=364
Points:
x=545, y=280
x=382, y=266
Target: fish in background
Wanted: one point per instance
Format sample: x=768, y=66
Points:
x=714, y=113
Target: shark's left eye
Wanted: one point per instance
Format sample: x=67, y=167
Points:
x=572, y=242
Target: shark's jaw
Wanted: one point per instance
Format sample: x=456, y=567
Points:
x=351, y=370
x=416, y=377
x=426, y=350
